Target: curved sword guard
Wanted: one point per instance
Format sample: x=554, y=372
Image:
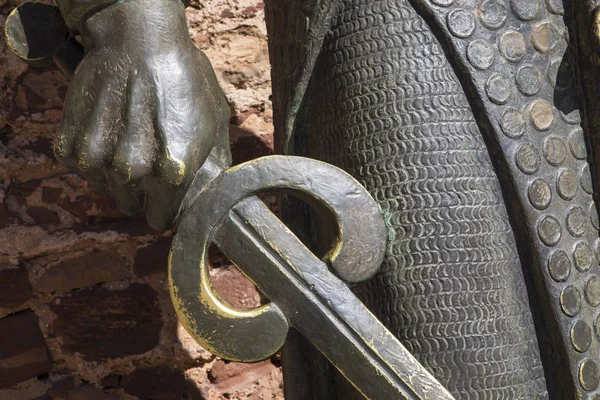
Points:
x=302, y=289
x=356, y=256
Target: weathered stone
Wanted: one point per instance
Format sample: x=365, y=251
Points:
x=153, y=259
x=130, y=226
x=41, y=145
x=23, y=351
x=14, y=287
x=94, y=267
x=31, y=389
x=101, y=324
x=248, y=148
x=86, y=392
x=111, y=381
x=191, y=352
x=61, y=387
x=234, y=287
x=158, y=384
x=43, y=216
x=235, y=376
x=82, y=206
x=51, y=195
x=26, y=188
x=6, y=218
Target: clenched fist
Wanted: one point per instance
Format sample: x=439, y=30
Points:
x=144, y=109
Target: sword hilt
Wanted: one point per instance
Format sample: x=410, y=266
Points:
x=38, y=35
x=219, y=208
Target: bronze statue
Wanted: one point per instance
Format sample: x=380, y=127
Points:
x=471, y=123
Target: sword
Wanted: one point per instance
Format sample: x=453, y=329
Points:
x=304, y=292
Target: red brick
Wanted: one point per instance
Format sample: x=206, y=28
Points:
x=156, y=384
x=94, y=267
x=153, y=259
x=14, y=287
x=23, y=351
x=101, y=324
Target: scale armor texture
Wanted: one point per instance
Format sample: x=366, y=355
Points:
x=385, y=105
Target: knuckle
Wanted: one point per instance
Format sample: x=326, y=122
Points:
x=121, y=173
x=61, y=149
x=90, y=154
x=172, y=171
x=124, y=170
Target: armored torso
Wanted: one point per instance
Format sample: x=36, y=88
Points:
x=471, y=142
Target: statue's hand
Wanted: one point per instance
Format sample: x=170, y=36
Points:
x=144, y=108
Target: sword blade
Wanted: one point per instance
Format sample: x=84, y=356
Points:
x=322, y=307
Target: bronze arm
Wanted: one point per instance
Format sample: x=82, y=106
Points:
x=144, y=109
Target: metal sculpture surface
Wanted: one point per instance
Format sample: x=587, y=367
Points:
x=469, y=122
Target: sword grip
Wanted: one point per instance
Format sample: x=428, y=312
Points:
x=38, y=35
x=68, y=57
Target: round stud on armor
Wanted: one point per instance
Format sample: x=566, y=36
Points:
x=480, y=54
x=581, y=336
x=577, y=144
x=555, y=6
x=528, y=159
x=576, y=221
x=442, y=3
x=512, y=46
x=498, y=88
x=588, y=375
x=586, y=179
x=493, y=14
x=582, y=254
x=567, y=184
x=513, y=123
x=541, y=115
x=461, y=23
x=540, y=194
x=525, y=10
x=592, y=291
x=549, y=230
x=529, y=80
x=544, y=37
x=559, y=266
x=555, y=151
x=570, y=301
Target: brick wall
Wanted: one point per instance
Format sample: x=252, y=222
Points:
x=84, y=305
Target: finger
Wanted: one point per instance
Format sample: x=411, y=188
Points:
x=78, y=103
x=185, y=131
x=186, y=121
x=136, y=146
x=162, y=203
x=93, y=147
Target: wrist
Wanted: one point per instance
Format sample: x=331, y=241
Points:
x=76, y=12
x=136, y=25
